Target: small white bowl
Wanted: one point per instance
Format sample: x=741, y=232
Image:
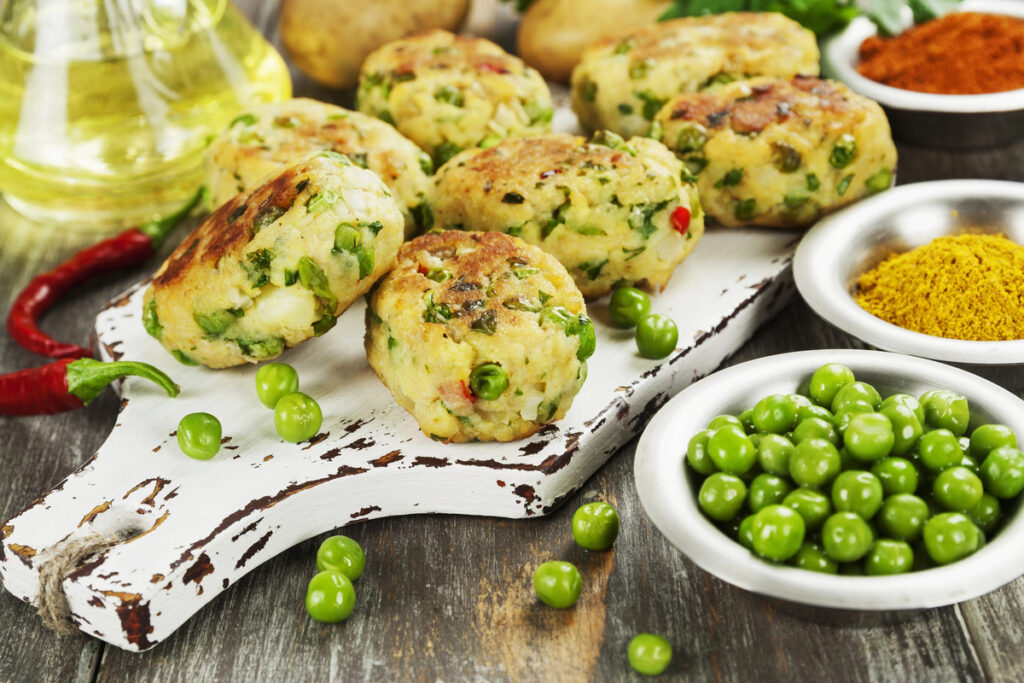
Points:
x=926, y=118
x=836, y=251
x=667, y=487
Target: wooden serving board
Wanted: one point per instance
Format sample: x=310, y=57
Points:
x=199, y=526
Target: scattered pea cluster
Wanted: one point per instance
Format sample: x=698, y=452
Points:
x=595, y=526
x=656, y=334
x=330, y=596
x=846, y=482
x=297, y=417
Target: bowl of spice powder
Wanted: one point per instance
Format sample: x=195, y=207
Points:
x=955, y=81
x=930, y=269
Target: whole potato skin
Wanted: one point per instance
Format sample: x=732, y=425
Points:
x=329, y=39
x=553, y=33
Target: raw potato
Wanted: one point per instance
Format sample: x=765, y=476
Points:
x=329, y=40
x=554, y=33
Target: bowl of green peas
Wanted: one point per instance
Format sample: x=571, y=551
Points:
x=845, y=479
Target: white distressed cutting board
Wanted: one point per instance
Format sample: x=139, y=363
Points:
x=201, y=525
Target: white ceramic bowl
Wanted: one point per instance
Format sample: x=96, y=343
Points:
x=925, y=118
x=837, y=250
x=667, y=487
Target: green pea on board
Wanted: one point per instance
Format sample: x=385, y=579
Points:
x=199, y=435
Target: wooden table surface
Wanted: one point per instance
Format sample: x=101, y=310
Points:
x=450, y=598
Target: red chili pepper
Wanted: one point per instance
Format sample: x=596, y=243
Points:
x=69, y=384
x=470, y=396
x=492, y=67
x=681, y=220
x=130, y=248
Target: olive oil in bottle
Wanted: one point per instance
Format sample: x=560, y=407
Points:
x=107, y=106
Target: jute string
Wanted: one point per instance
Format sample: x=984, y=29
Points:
x=60, y=560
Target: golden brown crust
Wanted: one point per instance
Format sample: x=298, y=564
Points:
x=228, y=229
x=514, y=163
x=767, y=103
x=418, y=52
x=648, y=42
x=483, y=267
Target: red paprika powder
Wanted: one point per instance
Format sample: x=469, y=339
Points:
x=962, y=53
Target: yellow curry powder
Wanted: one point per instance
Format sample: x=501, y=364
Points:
x=960, y=287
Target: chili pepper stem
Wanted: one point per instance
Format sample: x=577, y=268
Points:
x=87, y=378
x=158, y=230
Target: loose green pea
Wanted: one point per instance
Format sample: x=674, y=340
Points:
x=846, y=537
x=778, y=532
x=906, y=428
x=697, y=453
x=813, y=506
x=557, y=584
x=869, y=437
x=747, y=419
x=814, y=463
x=841, y=419
x=731, y=450
x=957, y=488
x=902, y=517
x=721, y=496
x=857, y=392
x=827, y=381
x=907, y=401
x=971, y=464
x=341, y=554
x=297, y=417
x=812, y=557
x=767, y=489
x=775, y=414
x=897, y=475
x=649, y=654
x=1003, y=472
x=939, y=449
x=987, y=513
x=800, y=401
x=889, y=557
x=628, y=306
x=987, y=438
x=275, y=380
x=950, y=536
x=745, y=532
x=722, y=420
x=488, y=381
x=330, y=597
x=773, y=453
x=815, y=428
x=946, y=410
x=858, y=492
x=807, y=412
x=595, y=526
x=199, y=435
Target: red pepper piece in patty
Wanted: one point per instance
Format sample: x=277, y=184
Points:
x=129, y=248
x=69, y=384
x=681, y=220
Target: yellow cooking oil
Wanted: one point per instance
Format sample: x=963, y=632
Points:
x=107, y=106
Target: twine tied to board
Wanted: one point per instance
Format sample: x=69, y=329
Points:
x=60, y=560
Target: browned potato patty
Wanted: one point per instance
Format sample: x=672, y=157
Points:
x=780, y=153
x=458, y=305
x=623, y=80
x=270, y=269
x=609, y=210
